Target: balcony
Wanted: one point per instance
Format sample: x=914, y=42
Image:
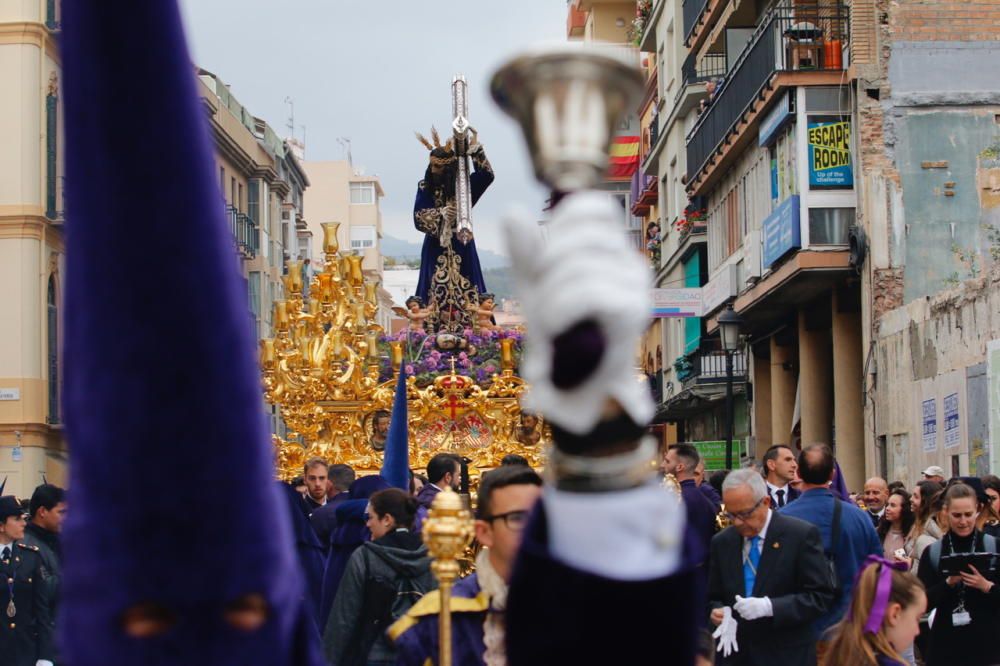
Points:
x=693, y=11
x=788, y=39
x=576, y=21
x=245, y=232
x=644, y=193
x=695, y=71
x=708, y=367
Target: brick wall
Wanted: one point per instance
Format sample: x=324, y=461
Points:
x=937, y=20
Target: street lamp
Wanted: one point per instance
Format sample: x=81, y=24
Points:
x=729, y=331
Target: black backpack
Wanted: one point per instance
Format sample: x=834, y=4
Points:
x=386, y=599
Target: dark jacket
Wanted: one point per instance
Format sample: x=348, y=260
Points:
x=27, y=636
x=416, y=633
x=557, y=614
x=793, y=495
x=50, y=550
x=858, y=540
x=324, y=519
x=709, y=492
x=309, y=552
x=354, y=633
x=974, y=644
x=424, y=498
x=792, y=572
x=349, y=534
x=701, y=519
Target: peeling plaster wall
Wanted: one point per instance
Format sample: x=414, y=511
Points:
x=929, y=349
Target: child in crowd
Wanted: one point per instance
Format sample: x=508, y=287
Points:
x=884, y=617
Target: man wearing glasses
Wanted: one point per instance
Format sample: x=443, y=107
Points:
x=768, y=580
x=506, y=497
x=26, y=627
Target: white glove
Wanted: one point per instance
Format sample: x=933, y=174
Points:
x=584, y=271
x=43, y=662
x=726, y=633
x=753, y=608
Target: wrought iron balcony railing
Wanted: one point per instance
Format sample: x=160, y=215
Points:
x=709, y=367
x=788, y=38
x=245, y=233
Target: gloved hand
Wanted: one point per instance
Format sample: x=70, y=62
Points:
x=581, y=290
x=753, y=608
x=725, y=634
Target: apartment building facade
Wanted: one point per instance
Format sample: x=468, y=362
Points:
x=32, y=252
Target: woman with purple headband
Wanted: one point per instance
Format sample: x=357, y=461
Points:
x=884, y=617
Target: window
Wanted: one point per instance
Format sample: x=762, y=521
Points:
x=362, y=237
x=362, y=193
x=253, y=289
x=829, y=226
x=53, y=351
x=51, y=131
x=233, y=201
x=222, y=182
x=239, y=198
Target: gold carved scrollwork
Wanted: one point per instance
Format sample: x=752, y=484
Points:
x=322, y=371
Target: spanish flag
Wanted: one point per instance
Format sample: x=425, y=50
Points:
x=624, y=157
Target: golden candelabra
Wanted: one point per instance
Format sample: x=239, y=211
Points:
x=322, y=370
x=447, y=532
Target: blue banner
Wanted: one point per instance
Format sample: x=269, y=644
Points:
x=830, y=155
x=781, y=230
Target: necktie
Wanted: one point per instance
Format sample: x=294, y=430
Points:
x=6, y=553
x=750, y=566
x=781, y=497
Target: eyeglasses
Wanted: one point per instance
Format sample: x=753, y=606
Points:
x=514, y=520
x=743, y=515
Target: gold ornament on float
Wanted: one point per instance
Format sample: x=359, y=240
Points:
x=322, y=370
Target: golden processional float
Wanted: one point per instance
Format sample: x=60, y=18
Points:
x=330, y=370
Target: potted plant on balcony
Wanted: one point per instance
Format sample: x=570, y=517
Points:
x=642, y=10
x=693, y=217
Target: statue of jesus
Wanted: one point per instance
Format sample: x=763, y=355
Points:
x=450, y=275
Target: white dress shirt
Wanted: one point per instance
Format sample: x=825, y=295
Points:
x=773, y=492
x=762, y=534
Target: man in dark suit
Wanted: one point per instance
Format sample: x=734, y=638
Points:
x=780, y=467
x=681, y=461
x=324, y=519
x=768, y=580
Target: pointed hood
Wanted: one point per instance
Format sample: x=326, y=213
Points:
x=174, y=503
x=396, y=464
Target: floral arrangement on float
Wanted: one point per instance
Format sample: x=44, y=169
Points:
x=477, y=354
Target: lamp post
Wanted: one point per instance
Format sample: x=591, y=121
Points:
x=729, y=331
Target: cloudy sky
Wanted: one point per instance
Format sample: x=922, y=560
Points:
x=374, y=72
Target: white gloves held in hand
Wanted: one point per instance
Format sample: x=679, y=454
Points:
x=753, y=608
x=725, y=634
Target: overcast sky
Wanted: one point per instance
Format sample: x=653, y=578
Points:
x=375, y=72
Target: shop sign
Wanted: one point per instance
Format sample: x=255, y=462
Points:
x=11, y=394
x=830, y=155
x=677, y=303
x=781, y=230
x=719, y=289
x=714, y=453
x=776, y=119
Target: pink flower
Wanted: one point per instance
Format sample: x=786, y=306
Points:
x=409, y=368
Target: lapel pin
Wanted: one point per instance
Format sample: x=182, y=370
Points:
x=776, y=545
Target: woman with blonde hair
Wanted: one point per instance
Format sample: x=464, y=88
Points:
x=883, y=619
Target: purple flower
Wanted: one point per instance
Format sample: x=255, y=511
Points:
x=467, y=333
x=462, y=356
x=490, y=368
x=431, y=364
x=409, y=369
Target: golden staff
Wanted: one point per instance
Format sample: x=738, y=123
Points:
x=447, y=533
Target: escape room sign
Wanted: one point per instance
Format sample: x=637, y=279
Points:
x=830, y=155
